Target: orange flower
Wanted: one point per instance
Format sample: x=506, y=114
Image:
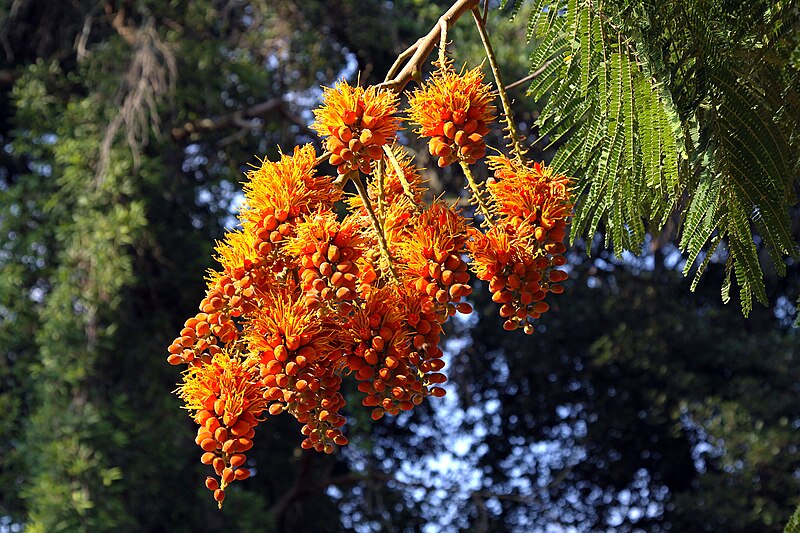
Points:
x=238, y=251
x=519, y=256
x=515, y=275
x=438, y=232
x=532, y=194
x=432, y=256
x=286, y=189
x=304, y=298
x=327, y=252
x=227, y=399
x=226, y=386
x=455, y=111
x=381, y=309
x=356, y=123
x=398, y=224
x=492, y=251
x=231, y=292
x=298, y=354
x=285, y=327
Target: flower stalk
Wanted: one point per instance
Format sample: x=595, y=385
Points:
x=477, y=196
x=512, y=134
x=376, y=224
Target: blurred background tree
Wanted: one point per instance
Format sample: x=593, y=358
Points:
x=125, y=127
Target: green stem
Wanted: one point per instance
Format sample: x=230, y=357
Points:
x=401, y=175
x=477, y=196
x=376, y=225
x=443, y=45
x=380, y=174
x=513, y=136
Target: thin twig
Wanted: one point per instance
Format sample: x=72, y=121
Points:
x=501, y=90
x=376, y=224
x=321, y=159
x=399, y=61
x=442, y=44
x=380, y=175
x=425, y=45
x=231, y=119
x=531, y=76
x=400, y=175
x=477, y=195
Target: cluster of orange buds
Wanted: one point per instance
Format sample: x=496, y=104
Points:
x=297, y=354
x=306, y=297
x=226, y=401
x=432, y=258
x=424, y=325
x=320, y=414
x=196, y=345
x=229, y=294
x=454, y=110
x=310, y=393
x=379, y=355
x=327, y=252
x=514, y=275
x=356, y=123
x=270, y=229
x=519, y=256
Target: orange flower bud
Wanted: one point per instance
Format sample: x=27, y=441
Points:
x=207, y=458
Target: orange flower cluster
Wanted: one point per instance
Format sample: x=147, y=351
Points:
x=455, y=111
x=518, y=256
x=305, y=297
x=227, y=403
x=357, y=123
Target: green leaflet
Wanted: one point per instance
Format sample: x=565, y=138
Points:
x=699, y=225
x=585, y=49
x=672, y=115
x=794, y=523
x=743, y=250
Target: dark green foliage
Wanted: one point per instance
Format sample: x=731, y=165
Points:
x=687, y=106
x=121, y=156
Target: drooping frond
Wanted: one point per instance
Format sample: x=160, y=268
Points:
x=656, y=118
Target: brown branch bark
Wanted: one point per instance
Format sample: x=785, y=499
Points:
x=7, y=78
x=425, y=45
x=298, y=488
x=129, y=33
x=530, y=76
x=224, y=121
x=240, y=119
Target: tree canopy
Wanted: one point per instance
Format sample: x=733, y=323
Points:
x=126, y=127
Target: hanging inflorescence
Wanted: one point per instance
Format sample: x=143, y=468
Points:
x=304, y=297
